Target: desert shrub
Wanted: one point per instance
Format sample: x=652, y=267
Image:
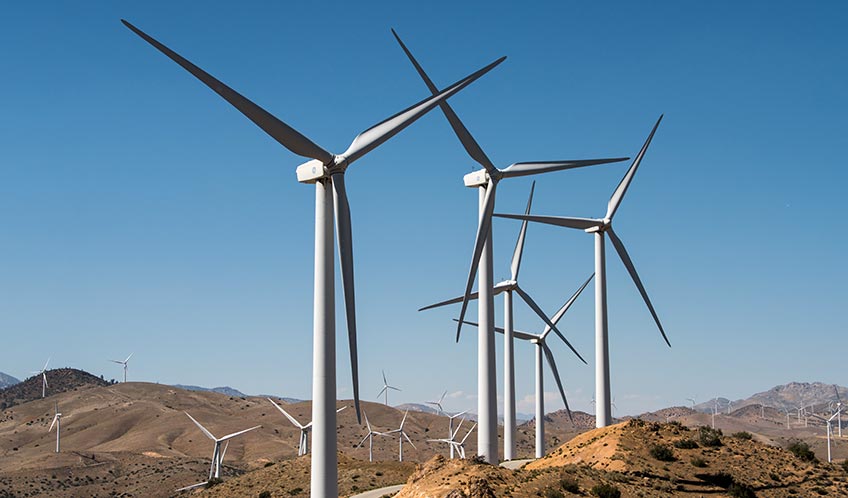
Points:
x=720, y=479
x=740, y=490
x=569, y=484
x=708, y=436
x=802, y=451
x=662, y=453
x=676, y=424
x=845, y=465
x=378, y=473
x=606, y=490
x=553, y=493
x=743, y=435
x=214, y=482
x=268, y=464
x=265, y=494
x=478, y=459
x=698, y=462
x=295, y=491
x=685, y=444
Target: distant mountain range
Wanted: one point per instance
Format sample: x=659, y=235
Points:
x=235, y=393
x=791, y=396
x=7, y=380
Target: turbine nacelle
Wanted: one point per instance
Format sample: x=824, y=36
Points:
x=478, y=178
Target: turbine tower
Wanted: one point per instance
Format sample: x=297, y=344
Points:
x=58, y=423
x=43, y=374
x=369, y=437
x=543, y=349
x=303, y=445
x=600, y=228
x=838, y=411
x=217, y=454
x=386, y=388
x=486, y=181
x=401, y=436
x=507, y=287
x=326, y=171
x=124, y=363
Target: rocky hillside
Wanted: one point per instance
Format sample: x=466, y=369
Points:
x=7, y=380
x=791, y=396
x=59, y=380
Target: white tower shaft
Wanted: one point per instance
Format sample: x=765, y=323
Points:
x=509, y=380
x=487, y=410
x=603, y=408
x=324, y=459
x=540, y=403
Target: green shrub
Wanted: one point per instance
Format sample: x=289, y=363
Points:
x=740, y=490
x=569, y=484
x=214, y=482
x=685, y=444
x=708, y=436
x=743, y=435
x=802, y=450
x=698, y=462
x=662, y=453
x=606, y=490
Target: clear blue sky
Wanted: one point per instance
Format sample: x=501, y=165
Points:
x=141, y=213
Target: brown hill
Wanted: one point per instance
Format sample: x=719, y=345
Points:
x=638, y=458
x=59, y=380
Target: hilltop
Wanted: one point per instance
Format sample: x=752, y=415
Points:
x=638, y=458
x=59, y=380
x=7, y=380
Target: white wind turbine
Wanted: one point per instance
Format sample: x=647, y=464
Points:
x=838, y=410
x=827, y=422
x=542, y=349
x=124, y=363
x=438, y=404
x=486, y=180
x=369, y=437
x=401, y=436
x=450, y=427
x=303, y=445
x=385, y=389
x=507, y=287
x=692, y=401
x=600, y=227
x=326, y=170
x=451, y=439
x=57, y=421
x=217, y=453
x=459, y=446
x=43, y=374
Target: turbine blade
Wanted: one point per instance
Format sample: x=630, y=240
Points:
x=561, y=312
x=379, y=133
x=535, y=307
x=208, y=434
x=516, y=333
x=454, y=300
x=286, y=414
x=345, y=241
x=618, y=195
x=287, y=136
x=363, y=440
x=117, y=361
x=625, y=258
x=392, y=387
x=578, y=223
x=239, y=433
x=45, y=364
x=442, y=397
x=471, y=146
x=403, y=420
x=382, y=390
x=485, y=223
x=342, y=408
x=537, y=167
x=552, y=363
x=408, y=440
x=224, y=452
x=366, y=420
x=384, y=377
x=52, y=424
x=519, y=245
x=468, y=434
x=128, y=358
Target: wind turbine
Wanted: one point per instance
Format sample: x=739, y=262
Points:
x=827, y=422
x=438, y=404
x=43, y=373
x=401, y=436
x=460, y=445
x=58, y=423
x=303, y=445
x=326, y=170
x=124, y=363
x=542, y=348
x=693, y=403
x=217, y=454
x=600, y=227
x=507, y=287
x=486, y=181
x=451, y=439
x=450, y=427
x=369, y=437
x=386, y=388
x=838, y=410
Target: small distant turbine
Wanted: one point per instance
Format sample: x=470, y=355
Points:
x=838, y=410
x=401, y=436
x=58, y=423
x=691, y=401
x=303, y=445
x=438, y=404
x=43, y=373
x=451, y=439
x=124, y=363
x=460, y=445
x=386, y=388
x=217, y=454
x=450, y=427
x=369, y=437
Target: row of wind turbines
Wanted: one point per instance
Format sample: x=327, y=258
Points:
x=326, y=171
x=43, y=373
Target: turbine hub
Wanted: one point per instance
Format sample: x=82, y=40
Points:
x=479, y=178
